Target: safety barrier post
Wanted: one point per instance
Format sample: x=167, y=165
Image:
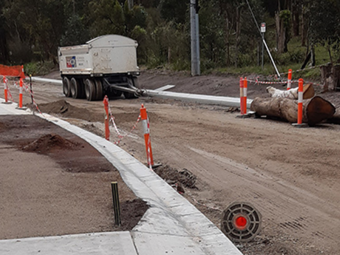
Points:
x=241, y=96
x=300, y=106
x=20, y=93
x=300, y=100
x=146, y=128
x=107, y=119
x=289, y=83
x=245, y=88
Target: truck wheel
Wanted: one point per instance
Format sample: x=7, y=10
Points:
x=90, y=90
x=75, y=88
x=82, y=89
x=66, y=87
x=132, y=84
x=99, y=89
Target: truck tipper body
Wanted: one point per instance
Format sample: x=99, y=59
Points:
x=106, y=65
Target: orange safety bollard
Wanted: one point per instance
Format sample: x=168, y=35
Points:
x=5, y=88
x=146, y=128
x=245, y=88
x=20, y=93
x=289, y=83
x=300, y=101
x=107, y=119
x=241, y=96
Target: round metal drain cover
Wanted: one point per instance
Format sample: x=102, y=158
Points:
x=241, y=222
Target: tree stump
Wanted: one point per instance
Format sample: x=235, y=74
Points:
x=315, y=110
x=330, y=77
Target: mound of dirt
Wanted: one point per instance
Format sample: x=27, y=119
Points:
x=49, y=143
x=131, y=213
x=173, y=176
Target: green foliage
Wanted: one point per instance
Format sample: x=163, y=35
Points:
x=285, y=16
x=32, y=30
x=140, y=35
x=170, y=7
x=107, y=17
x=295, y=56
x=75, y=32
x=38, y=68
x=324, y=24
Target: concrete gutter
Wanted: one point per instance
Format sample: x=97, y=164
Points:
x=195, y=98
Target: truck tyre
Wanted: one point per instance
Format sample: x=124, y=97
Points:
x=66, y=87
x=75, y=88
x=132, y=83
x=99, y=89
x=90, y=90
x=82, y=88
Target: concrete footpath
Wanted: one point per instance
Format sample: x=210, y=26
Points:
x=170, y=226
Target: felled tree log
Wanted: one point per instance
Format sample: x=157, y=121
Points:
x=315, y=109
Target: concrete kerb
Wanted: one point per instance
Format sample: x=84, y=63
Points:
x=172, y=224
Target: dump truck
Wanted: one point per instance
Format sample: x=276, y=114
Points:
x=105, y=65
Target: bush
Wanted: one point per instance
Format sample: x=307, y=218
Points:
x=38, y=68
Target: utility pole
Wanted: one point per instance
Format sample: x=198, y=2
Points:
x=195, y=44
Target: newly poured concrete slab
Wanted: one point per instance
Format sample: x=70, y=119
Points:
x=117, y=243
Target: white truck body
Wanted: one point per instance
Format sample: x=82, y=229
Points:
x=106, y=65
x=107, y=54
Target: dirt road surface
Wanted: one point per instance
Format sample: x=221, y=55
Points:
x=291, y=175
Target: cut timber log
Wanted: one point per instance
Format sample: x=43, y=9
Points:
x=315, y=109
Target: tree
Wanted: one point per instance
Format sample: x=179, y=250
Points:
x=325, y=24
x=3, y=37
x=174, y=10
x=107, y=17
x=75, y=32
x=283, y=25
x=35, y=24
